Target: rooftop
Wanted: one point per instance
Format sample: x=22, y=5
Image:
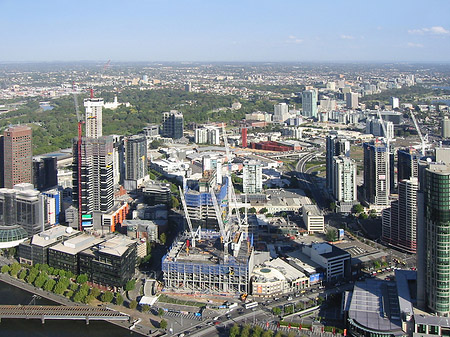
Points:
x=77, y=244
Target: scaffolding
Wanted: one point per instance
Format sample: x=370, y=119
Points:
x=202, y=269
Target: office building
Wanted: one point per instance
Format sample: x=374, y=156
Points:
x=399, y=224
x=252, y=177
x=395, y=102
x=433, y=287
x=17, y=155
x=344, y=183
x=172, y=125
x=207, y=135
x=377, y=173
x=136, y=169
x=309, y=103
x=446, y=127
x=94, y=119
x=45, y=173
x=280, y=112
x=374, y=126
x=151, y=131
x=24, y=206
x=335, y=146
x=351, y=100
x=313, y=219
x=407, y=163
x=97, y=184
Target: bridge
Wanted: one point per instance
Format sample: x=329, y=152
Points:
x=44, y=312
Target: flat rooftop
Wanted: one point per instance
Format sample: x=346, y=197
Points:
x=51, y=235
x=77, y=244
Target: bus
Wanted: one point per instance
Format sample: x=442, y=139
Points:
x=251, y=305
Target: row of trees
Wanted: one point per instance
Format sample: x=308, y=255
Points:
x=65, y=283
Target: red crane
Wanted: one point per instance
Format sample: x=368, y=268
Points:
x=80, y=135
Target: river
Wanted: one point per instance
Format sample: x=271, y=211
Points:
x=51, y=328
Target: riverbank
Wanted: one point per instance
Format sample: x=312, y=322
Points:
x=144, y=328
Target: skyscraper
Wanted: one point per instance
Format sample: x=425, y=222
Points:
x=172, y=125
x=377, y=173
x=135, y=161
x=17, y=155
x=45, y=173
x=280, y=112
x=433, y=233
x=335, y=146
x=344, y=183
x=407, y=163
x=399, y=225
x=446, y=127
x=309, y=103
x=94, y=117
x=97, y=181
x=252, y=180
x=351, y=100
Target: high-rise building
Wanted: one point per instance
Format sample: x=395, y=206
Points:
x=280, y=112
x=172, y=125
x=433, y=286
x=344, y=183
x=135, y=161
x=252, y=177
x=335, y=146
x=374, y=126
x=446, y=127
x=244, y=137
x=45, y=173
x=351, y=100
x=377, y=173
x=407, y=163
x=201, y=136
x=17, y=155
x=309, y=103
x=93, y=117
x=399, y=225
x=207, y=135
x=395, y=102
x=97, y=182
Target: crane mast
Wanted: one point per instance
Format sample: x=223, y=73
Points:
x=80, y=135
x=422, y=139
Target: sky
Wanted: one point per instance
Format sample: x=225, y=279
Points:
x=225, y=30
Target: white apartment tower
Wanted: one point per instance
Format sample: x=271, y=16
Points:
x=309, y=103
x=344, y=182
x=94, y=118
x=252, y=180
x=280, y=112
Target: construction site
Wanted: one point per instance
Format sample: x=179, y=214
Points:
x=211, y=261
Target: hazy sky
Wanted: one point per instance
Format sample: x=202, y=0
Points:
x=225, y=30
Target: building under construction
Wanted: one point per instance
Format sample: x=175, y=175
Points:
x=210, y=267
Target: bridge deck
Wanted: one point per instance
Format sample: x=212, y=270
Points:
x=59, y=312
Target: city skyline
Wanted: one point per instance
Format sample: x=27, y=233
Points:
x=249, y=31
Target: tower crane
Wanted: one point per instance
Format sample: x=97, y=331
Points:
x=232, y=200
x=422, y=139
x=194, y=234
x=386, y=136
x=79, y=140
x=224, y=231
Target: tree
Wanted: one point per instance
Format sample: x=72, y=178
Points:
x=23, y=274
x=279, y=334
x=73, y=286
x=119, y=299
x=268, y=333
x=263, y=210
x=257, y=331
x=245, y=332
x=131, y=284
x=49, y=284
x=163, y=238
x=331, y=234
x=40, y=280
x=358, y=208
x=160, y=312
x=163, y=324
x=363, y=216
x=288, y=309
x=79, y=296
x=5, y=269
x=107, y=297
x=81, y=279
x=276, y=311
x=133, y=304
x=333, y=206
x=155, y=144
x=15, y=268
x=252, y=210
x=95, y=292
x=234, y=331
x=145, y=308
x=175, y=203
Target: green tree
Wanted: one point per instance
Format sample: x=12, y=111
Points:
x=23, y=274
x=331, y=235
x=15, y=268
x=363, y=216
x=107, y=297
x=31, y=276
x=332, y=206
x=95, y=292
x=69, y=293
x=81, y=279
x=73, y=286
x=88, y=299
x=119, y=299
x=268, y=333
x=288, y=309
x=163, y=238
x=276, y=311
x=279, y=334
x=245, y=332
x=130, y=285
x=175, y=203
x=263, y=210
x=252, y=210
x=235, y=330
x=145, y=308
x=133, y=304
x=160, y=312
x=358, y=208
x=49, y=284
x=163, y=324
x=5, y=269
x=155, y=144
x=257, y=331
x=79, y=296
